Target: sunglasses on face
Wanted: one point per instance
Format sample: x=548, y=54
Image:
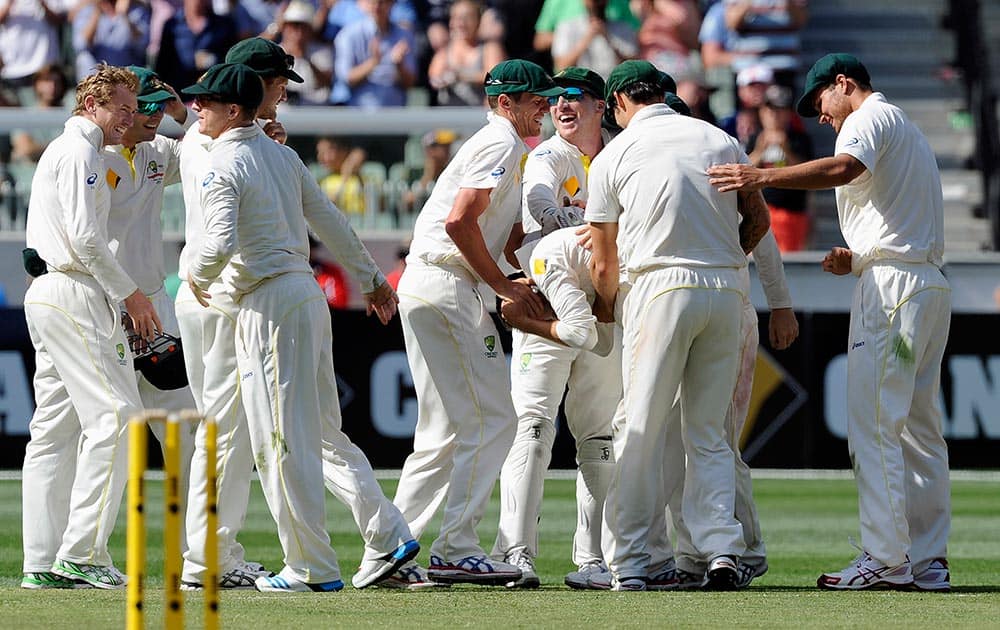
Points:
x=148, y=109
x=571, y=95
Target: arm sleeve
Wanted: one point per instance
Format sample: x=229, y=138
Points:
x=172, y=152
x=86, y=223
x=771, y=272
x=539, y=184
x=220, y=202
x=560, y=284
x=862, y=139
x=488, y=167
x=333, y=228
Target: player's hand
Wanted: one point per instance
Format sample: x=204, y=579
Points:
x=275, y=131
x=523, y=290
x=838, y=261
x=145, y=321
x=514, y=313
x=783, y=328
x=382, y=301
x=727, y=177
x=602, y=310
x=558, y=218
x=586, y=239
x=199, y=294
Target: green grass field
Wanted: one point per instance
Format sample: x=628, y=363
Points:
x=806, y=524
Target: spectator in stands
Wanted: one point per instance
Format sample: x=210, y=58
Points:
x=193, y=40
x=694, y=90
x=777, y=144
x=256, y=18
x=313, y=60
x=741, y=33
x=751, y=84
x=330, y=276
x=340, y=13
x=160, y=12
x=342, y=184
x=555, y=11
x=593, y=41
x=437, y=154
x=375, y=59
x=669, y=33
x=457, y=70
x=111, y=31
x=49, y=85
x=29, y=39
x=512, y=23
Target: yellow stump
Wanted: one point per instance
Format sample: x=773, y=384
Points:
x=211, y=582
x=173, y=610
x=136, y=528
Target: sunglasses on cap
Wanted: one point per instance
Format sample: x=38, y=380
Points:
x=148, y=109
x=571, y=95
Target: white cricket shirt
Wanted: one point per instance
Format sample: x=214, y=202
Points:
x=554, y=169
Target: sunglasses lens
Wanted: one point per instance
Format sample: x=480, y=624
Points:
x=571, y=95
x=148, y=109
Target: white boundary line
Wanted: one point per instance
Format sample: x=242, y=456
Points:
x=991, y=476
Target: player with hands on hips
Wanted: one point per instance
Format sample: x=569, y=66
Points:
x=891, y=213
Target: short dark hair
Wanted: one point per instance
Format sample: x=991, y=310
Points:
x=642, y=93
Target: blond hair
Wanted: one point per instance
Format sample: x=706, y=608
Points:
x=101, y=85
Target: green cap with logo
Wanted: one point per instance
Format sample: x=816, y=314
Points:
x=823, y=73
x=265, y=57
x=637, y=71
x=583, y=78
x=677, y=104
x=150, y=86
x=229, y=83
x=517, y=76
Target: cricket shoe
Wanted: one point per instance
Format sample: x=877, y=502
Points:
x=867, y=572
x=722, y=574
x=935, y=578
x=663, y=577
x=98, y=576
x=255, y=567
x=479, y=569
x=629, y=584
x=688, y=580
x=36, y=580
x=374, y=570
x=745, y=573
x=592, y=575
x=242, y=576
x=412, y=577
x=521, y=560
x=282, y=584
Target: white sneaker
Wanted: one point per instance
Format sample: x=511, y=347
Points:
x=747, y=572
x=521, y=560
x=411, y=576
x=662, y=577
x=867, y=572
x=98, y=576
x=242, y=576
x=722, y=574
x=593, y=575
x=282, y=584
x=479, y=569
x=935, y=578
x=686, y=580
x=37, y=580
x=374, y=570
x=629, y=584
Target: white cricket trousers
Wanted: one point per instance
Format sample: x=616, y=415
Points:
x=540, y=372
x=681, y=330
x=465, y=418
x=284, y=349
x=76, y=464
x=209, y=337
x=900, y=318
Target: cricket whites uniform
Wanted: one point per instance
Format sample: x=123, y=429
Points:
x=590, y=365
x=261, y=191
x=892, y=218
x=679, y=240
x=75, y=465
x=466, y=420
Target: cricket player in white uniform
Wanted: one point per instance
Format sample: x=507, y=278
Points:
x=892, y=216
x=210, y=349
x=257, y=196
x=85, y=386
x=553, y=196
x=681, y=317
x=466, y=421
x=137, y=170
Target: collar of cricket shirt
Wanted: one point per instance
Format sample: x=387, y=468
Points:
x=88, y=129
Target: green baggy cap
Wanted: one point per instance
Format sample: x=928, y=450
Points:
x=823, y=73
x=516, y=76
x=150, y=86
x=265, y=58
x=637, y=71
x=230, y=83
x=583, y=78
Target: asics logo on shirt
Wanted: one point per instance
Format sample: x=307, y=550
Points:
x=91, y=179
x=498, y=172
x=208, y=179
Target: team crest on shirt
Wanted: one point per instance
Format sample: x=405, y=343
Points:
x=525, y=361
x=120, y=348
x=490, y=341
x=153, y=172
